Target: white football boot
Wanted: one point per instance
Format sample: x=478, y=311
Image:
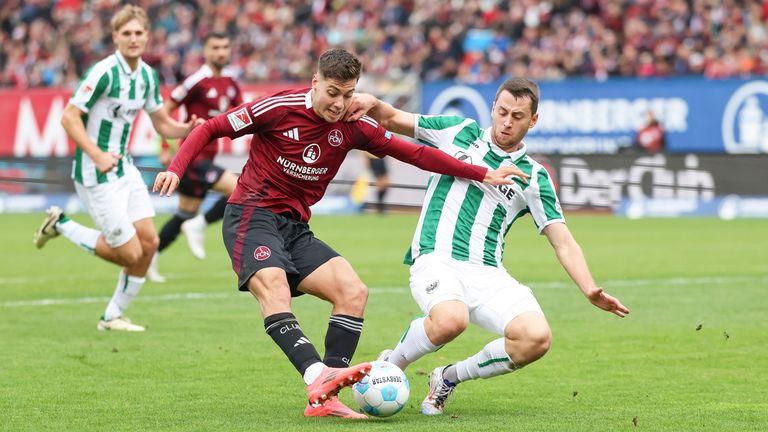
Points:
x=47, y=230
x=439, y=390
x=120, y=324
x=194, y=230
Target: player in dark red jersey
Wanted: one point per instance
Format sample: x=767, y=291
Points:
x=210, y=91
x=299, y=142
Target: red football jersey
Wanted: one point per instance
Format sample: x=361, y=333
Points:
x=207, y=96
x=295, y=153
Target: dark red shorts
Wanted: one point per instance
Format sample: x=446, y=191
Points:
x=256, y=238
x=200, y=178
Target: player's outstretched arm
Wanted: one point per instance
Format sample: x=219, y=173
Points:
x=168, y=127
x=572, y=259
x=391, y=118
x=434, y=160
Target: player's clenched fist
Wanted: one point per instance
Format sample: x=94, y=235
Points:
x=166, y=182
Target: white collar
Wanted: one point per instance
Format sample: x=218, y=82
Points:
x=124, y=64
x=515, y=155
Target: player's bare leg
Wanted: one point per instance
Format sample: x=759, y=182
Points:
x=526, y=339
x=127, y=255
x=337, y=282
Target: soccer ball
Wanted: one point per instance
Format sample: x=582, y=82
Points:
x=384, y=391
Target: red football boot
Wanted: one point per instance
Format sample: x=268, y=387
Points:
x=331, y=380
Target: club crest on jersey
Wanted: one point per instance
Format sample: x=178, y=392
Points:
x=463, y=157
x=261, y=253
x=311, y=153
x=239, y=119
x=335, y=138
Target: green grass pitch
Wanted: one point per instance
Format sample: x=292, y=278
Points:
x=205, y=363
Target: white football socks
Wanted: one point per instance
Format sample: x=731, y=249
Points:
x=80, y=235
x=126, y=290
x=414, y=345
x=491, y=361
x=312, y=372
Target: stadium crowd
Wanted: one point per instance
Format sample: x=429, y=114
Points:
x=49, y=42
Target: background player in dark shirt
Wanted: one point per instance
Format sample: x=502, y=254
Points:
x=299, y=141
x=210, y=91
x=381, y=174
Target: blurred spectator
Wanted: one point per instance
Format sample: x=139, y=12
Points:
x=650, y=138
x=47, y=42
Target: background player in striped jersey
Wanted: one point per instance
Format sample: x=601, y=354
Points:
x=98, y=118
x=456, y=269
x=207, y=93
x=298, y=145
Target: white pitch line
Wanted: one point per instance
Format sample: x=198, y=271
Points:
x=391, y=290
x=79, y=277
x=84, y=300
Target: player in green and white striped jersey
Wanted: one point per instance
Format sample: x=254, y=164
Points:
x=98, y=118
x=456, y=270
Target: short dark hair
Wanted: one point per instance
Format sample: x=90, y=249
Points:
x=214, y=35
x=339, y=64
x=521, y=87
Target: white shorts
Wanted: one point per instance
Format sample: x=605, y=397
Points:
x=116, y=205
x=492, y=296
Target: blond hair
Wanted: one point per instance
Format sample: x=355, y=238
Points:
x=128, y=13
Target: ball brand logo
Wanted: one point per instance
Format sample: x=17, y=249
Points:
x=261, y=253
x=386, y=379
x=745, y=119
x=335, y=138
x=311, y=153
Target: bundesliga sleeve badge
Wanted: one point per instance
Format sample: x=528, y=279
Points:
x=239, y=119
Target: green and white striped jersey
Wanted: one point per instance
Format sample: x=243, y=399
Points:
x=111, y=95
x=468, y=220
